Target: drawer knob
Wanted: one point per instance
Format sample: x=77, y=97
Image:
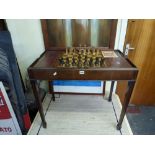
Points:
x=55, y=73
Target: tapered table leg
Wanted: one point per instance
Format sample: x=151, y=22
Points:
x=35, y=89
x=111, y=91
x=126, y=102
x=52, y=91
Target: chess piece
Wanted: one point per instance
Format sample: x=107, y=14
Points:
x=64, y=64
x=93, y=53
x=64, y=60
x=75, y=61
x=70, y=59
x=61, y=62
x=87, y=62
x=81, y=61
x=98, y=58
x=93, y=61
x=80, y=64
x=97, y=52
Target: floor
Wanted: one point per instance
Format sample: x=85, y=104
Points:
x=80, y=115
x=142, y=119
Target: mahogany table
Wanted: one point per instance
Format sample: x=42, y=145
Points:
x=46, y=67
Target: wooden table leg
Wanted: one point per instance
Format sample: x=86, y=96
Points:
x=52, y=91
x=126, y=103
x=38, y=100
x=111, y=90
x=104, y=85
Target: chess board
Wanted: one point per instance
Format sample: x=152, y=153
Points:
x=81, y=58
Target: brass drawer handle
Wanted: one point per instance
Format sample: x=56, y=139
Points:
x=55, y=73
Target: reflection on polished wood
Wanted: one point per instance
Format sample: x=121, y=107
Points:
x=76, y=32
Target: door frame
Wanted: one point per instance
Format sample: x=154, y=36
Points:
x=119, y=44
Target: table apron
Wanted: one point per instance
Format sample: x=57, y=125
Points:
x=82, y=74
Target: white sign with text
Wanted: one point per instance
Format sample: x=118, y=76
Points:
x=8, y=121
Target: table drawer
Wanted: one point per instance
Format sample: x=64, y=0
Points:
x=82, y=75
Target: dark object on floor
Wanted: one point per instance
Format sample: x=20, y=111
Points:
x=143, y=123
x=30, y=100
x=31, y=103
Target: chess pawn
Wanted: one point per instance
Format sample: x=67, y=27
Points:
x=97, y=52
x=88, y=59
x=64, y=63
x=61, y=62
x=83, y=57
x=83, y=63
x=74, y=49
x=85, y=51
x=94, y=53
x=75, y=61
x=89, y=52
x=80, y=64
x=87, y=62
x=64, y=58
x=80, y=52
x=93, y=61
x=70, y=61
x=74, y=53
x=102, y=62
x=98, y=61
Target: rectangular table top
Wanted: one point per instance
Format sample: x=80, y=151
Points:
x=47, y=67
x=49, y=59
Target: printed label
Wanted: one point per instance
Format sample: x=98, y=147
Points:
x=81, y=72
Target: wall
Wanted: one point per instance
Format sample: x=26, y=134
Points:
x=120, y=34
x=28, y=40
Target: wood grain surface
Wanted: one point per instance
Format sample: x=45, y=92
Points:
x=140, y=34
